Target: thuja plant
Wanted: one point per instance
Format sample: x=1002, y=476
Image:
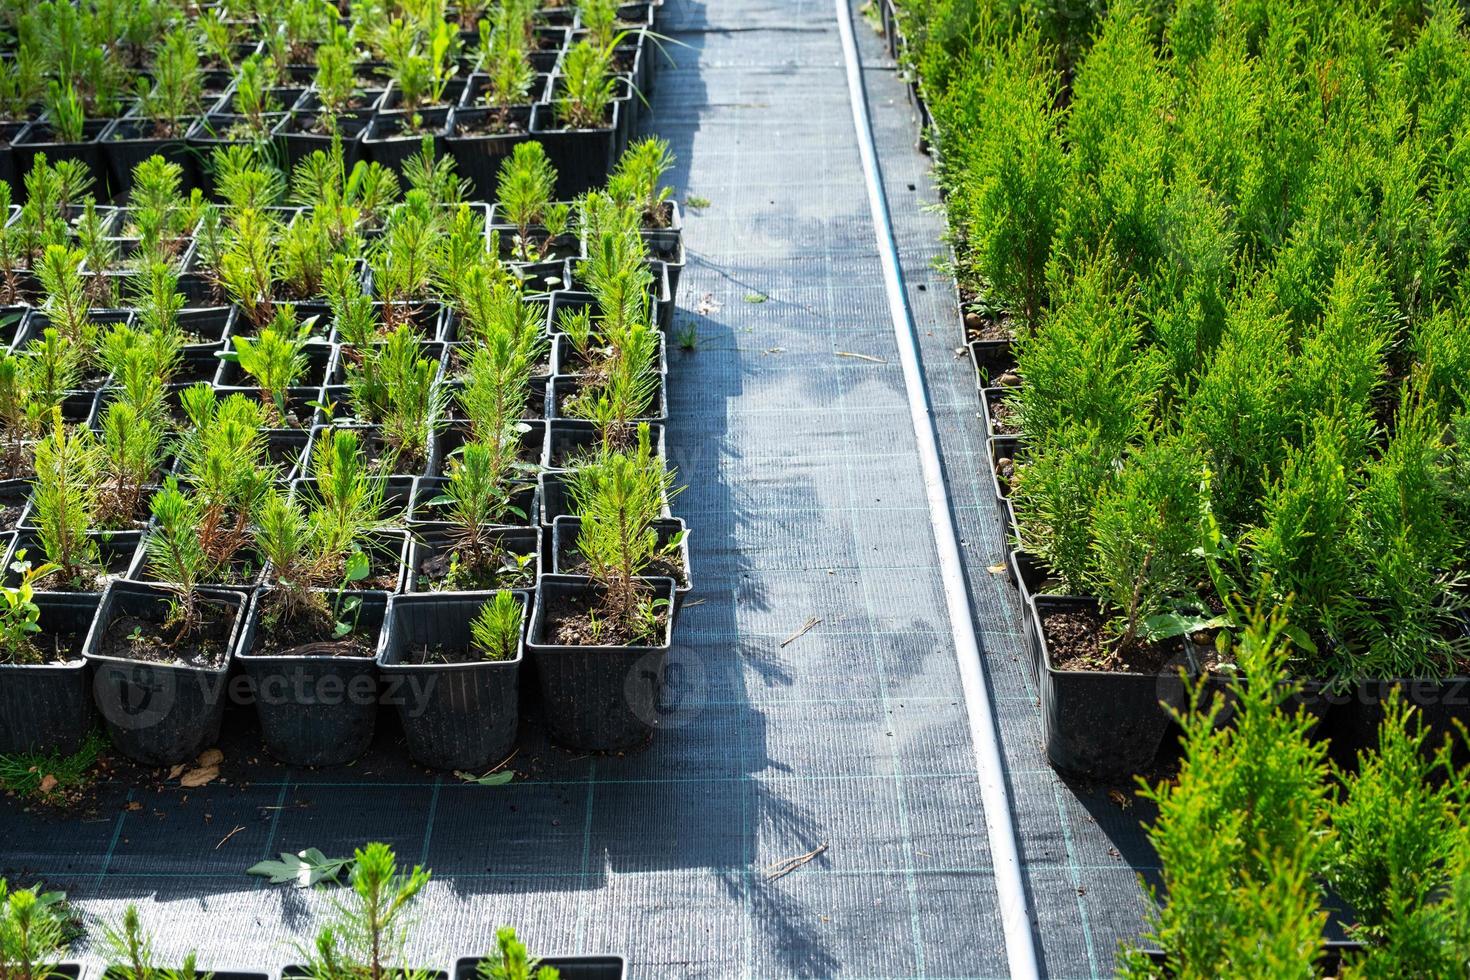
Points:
x=618, y=499
x=370, y=926
x=1397, y=857
x=128, y=948
x=1242, y=830
x=32, y=933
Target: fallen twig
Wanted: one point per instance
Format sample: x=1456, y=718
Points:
x=227, y=837
x=783, y=868
x=801, y=632
x=861, y=357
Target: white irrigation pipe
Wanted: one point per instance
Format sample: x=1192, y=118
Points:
x=1009, y=886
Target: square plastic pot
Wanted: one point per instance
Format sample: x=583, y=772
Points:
x=159, y=714
x=295, y=134
x=478, y=155
x=582, y=157
x=9, y=133
x=455, y=716
x=386, y=142
x=116, y=548
x=597, y=698
x=563, y=387
x=40, y=138
x=568, y=440
x=129, y=141
x=314, y=709
x=48, y=707
x=569, y=967
x=432, y=541
x=1100, y=724
x=423, y=513
x=565, y=531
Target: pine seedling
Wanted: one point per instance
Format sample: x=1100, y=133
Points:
x=65, y=112
x=433, y=174
x=276, y=360
x=587, y=85
x=129, y=951
x=481, y=484
x=524, y=197
x=295, y=546
x=512, y=961
x=303, y=250
x=176, y=92
x=158, y=301
x=248, y=265
x=32, y=933
x=222, y=458
x=176, y=553
x=395, y=387
x=369, y=931
x=618, y=497
x=254, y=100
x=402, y=261
x=496, y=630
x=503, y=56
x=336, y=82
x=66, y=293
x=640, y=175
x=66, y=501
x=348, y=498
x=497, y=389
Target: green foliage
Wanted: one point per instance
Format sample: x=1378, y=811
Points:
x=276, y=360
x=587, y=86
x=395, y=387
x=527, y=182
x=128, y=949
x=65, y=501
x=32, y=933
x=638, y=179
x=1241, y=831
x=367, y=937
x=496, y=628
x=20, y=617
x=511, y=961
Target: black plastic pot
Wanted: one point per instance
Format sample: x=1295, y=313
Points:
x=1358, y=710
x=159, y=714
x=597, y=698
x=422, y=511
x=454, y=437
x=563, y=387
x=990, y=359
x=48, y=707
x=399, y=494
x=478, y=156
x=128, y=141
x=568, y=440
x=294, y=133
x=455, y=716
x=315, y=709
x=997, y=425
x=214, y=131
x=9, y=133
x=1100, y=724
x=565, y=558
x=582, y=157
x=15, y=496
x=40, y=138
x=386, y=142
x=569, y=967
x=433, y=541
x=116, y=549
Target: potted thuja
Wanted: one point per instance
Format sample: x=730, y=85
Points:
x=309, y=643
x=601, y=641
x=161, y=652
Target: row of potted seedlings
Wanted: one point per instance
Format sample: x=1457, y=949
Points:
x=369, y=935
x=443, y=465
x=184, y=81
x=1165, y=430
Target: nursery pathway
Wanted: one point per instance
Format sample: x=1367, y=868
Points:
x=816, y=708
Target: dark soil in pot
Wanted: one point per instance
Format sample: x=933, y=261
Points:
x=578, y=620
x=115, y=551
x=1075, y=637
x=507, y=560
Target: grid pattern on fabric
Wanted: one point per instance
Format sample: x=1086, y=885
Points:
x=805, y=502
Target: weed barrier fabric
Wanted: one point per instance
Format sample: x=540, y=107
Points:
x=814, y=702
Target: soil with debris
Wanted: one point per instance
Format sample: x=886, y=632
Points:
x=569, y=623
x=306, y=637
x=1075, y=637
x=136, y=638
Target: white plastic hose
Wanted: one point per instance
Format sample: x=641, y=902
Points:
x=994, y=795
